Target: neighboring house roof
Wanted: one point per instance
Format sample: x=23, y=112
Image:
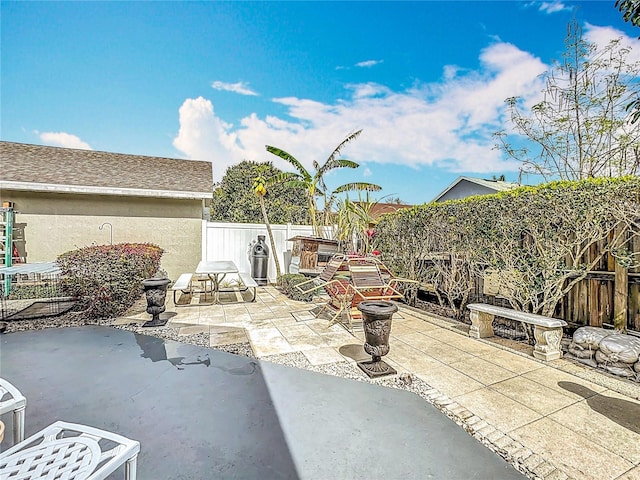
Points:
x=379, y=209
x=65, y=170
x=495, y=185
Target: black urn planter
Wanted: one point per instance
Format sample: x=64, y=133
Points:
x=155, y=289
x=376, y=321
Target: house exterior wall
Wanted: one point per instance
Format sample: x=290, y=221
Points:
x=48, y=224
x=465, y=189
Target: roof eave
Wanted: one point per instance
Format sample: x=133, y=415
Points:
x=93, y=190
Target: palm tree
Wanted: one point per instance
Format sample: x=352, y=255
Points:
x=260, y=189
x=354, y=221
x=314, y=183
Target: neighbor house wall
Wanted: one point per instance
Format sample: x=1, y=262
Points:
x=48, y=224
x=465, y=189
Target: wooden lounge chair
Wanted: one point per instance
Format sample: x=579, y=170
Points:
x=371, y=280
x=326, y=276
x=337, y=287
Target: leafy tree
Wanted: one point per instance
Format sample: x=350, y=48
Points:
x=234, y=200
x=313, y=184
x=581, y=128
x=260, y=189
x=631, y=13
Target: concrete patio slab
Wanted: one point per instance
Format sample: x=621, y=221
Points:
x=570, y=451
x=201, y=413
x=539, y=398
x=511, y=361
x=509, y=416
x=411, y=358
x=482, y=371
x=552, y=378
x=609, y=420
x=450, y=381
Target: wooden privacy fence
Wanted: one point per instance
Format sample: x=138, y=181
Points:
x=609, y=290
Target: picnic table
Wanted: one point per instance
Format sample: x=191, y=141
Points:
x=216, y=270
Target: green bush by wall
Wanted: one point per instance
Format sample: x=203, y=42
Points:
x=287, y=284
x=106, y=279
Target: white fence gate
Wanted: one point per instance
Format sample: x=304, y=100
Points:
x=230, y=241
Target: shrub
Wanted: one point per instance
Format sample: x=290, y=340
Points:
x=287, y=283
x=106, y=279
x=538, y=241
x=44, y=290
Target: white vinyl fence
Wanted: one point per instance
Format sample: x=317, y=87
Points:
x=230, y=241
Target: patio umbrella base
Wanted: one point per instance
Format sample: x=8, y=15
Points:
x=376, y=368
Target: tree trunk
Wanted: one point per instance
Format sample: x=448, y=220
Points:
x=273, y=244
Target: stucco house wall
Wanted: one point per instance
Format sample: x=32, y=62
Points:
x=51, y=223
x=63, y=196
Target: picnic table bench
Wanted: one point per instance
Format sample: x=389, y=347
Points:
x=547, y=331
x=184, y=284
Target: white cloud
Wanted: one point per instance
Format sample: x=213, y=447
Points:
x=367, y=172
x=62, y=139
x=449, y=124
x=603, y=35
x=204, y=136
x=369, y=63
x=554, y=6
x=240, y=87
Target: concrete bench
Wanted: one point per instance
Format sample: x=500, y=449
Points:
x=183, y=284
x=547, y=331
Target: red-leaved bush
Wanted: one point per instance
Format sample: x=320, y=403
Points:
x=106, y=279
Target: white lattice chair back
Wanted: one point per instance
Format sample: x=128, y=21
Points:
x=11, y=400
x=70, y=451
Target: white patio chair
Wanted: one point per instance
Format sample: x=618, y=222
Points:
x=11, y=400
x=70, y=451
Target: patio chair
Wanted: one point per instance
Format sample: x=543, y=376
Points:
x=337, y=288
x=325, y=276
x=70, y=451
x=11, y=400
x=368, y=282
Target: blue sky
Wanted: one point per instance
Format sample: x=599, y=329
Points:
x=426, y=81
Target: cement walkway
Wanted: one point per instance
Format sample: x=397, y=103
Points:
x=549, y=418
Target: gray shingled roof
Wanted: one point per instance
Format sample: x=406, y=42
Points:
x=37, y=164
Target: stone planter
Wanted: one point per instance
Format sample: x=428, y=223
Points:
x=376, y=321
x=155, y=289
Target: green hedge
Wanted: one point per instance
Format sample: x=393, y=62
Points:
x=44, y=290
x=106, y=279
x=287, y=283
x=539, y=240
